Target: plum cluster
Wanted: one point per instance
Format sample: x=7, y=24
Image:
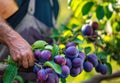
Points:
x=74, y=59
x=44, y=74
x=101, y=68
x=72, y=62
x=90, y=30
x=92, y=61
x=47, y=75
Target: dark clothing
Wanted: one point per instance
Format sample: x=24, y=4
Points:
x=31, y=27
x=15, y=19
x=43, y=12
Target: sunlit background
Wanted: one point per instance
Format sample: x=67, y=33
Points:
x=63, y=17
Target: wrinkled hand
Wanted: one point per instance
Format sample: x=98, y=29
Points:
x=21, y=52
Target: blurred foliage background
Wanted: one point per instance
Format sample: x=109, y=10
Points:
x=107, y=13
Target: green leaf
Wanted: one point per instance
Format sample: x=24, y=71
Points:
x=56, y=67
x=87, y=50
x=76, y=40
x=99, y=41
x=102, y=56
x=100, y=12
x=10, y=73
x=19, y=78
x=55, y=33
x=63, y=80
x=39, y=44
x=55, y=50
x=86, y=8
x=118, y=26
x=63, y=28
x=80, y=48
x=108, y=13
x=70, y=1
x=10, y=61
x=109, y=68
x=48, y=47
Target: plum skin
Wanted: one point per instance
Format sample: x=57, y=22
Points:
x=71, y=52
x=87, y=30
x=88, y=66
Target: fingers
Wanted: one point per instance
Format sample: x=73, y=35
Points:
x=28, y=60
x=25, y=62
x=31, y=60
x=23, y=55
x=14, y=58
x=19, y=63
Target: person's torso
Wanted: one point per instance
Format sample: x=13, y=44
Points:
x=43, y=11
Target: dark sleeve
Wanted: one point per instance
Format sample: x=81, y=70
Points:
x=43, y=12
x=19, y=2
x=15, y=19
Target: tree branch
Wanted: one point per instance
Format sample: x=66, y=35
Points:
x=99, y=78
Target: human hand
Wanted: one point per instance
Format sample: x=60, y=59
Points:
x=21, y=52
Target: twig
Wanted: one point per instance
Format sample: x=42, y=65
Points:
x=99, y=78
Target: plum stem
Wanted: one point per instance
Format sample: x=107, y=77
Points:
x=40, y=66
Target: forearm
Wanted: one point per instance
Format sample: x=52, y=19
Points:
x=20, y=50
x=7, y=34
